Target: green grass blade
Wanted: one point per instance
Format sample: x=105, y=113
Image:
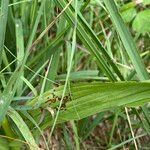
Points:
x=90, y=40
x=127, y=40
x=19, y=41
x=76, y=137
x=7, y=95
x=3, y=22
x=55, y=58
x=83, y=75
x=23, y=128
x=125, y=142
x=34, y=91
x=92, y=125
x=20, y=48
x=27, y=115
x=73, y=48
x=31, y=38
x=12, y=85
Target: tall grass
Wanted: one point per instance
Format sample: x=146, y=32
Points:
x=67, y=70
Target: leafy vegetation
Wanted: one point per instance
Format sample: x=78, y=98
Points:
x=74, y=74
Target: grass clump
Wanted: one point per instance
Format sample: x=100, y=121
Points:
x=74, y=74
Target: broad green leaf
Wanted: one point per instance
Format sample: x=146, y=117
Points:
x=141, y=23
x=91, y=98
x=128, y=14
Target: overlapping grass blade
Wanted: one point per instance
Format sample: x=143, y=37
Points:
x=92, y=43
x=31, y=38
x=10, y=89
x=25, y=131
x=127, y=40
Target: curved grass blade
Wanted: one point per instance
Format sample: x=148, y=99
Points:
x=27, y=115
x=25, y=131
